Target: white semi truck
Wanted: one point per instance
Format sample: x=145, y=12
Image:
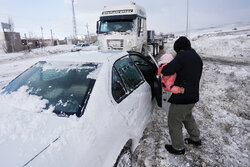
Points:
x=124, y=28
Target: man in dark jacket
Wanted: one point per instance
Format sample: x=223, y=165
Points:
x=188, y=66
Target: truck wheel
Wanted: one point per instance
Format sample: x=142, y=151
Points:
x=162, y=46
x=125, y=158
x=157, y=49
x=154, y=48
x=143, y=51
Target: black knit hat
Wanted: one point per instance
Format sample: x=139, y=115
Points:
x=182, y=44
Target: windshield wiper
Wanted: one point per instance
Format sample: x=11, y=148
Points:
x=41, y=151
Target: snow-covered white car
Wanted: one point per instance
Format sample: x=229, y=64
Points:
x=79, y=47
x=77, y=109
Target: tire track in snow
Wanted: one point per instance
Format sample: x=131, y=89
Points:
x=223, y=61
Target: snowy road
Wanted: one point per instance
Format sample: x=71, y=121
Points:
x=223, y=119
x=222, y=114
x=224, y=61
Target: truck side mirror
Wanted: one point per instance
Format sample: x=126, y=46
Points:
x=97, y=27
x=142, y=25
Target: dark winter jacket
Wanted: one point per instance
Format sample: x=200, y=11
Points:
x=188, y=66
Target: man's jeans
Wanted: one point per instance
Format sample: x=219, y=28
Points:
x=181, y=114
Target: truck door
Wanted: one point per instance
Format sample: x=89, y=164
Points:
x=141, y=34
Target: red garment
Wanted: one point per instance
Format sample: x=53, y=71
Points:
x=168, y=81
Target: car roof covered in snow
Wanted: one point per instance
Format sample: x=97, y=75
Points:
x=89, y=56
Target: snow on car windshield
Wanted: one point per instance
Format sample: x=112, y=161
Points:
x=65, y=86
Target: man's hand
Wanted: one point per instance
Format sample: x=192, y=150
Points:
x=182, y=90
x=173, y=55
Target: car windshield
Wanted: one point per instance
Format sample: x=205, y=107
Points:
x=116, y=26
x=67, y=87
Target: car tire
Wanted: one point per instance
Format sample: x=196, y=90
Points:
x=125, y=157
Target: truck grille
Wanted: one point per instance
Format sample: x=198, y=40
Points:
x=115, y=43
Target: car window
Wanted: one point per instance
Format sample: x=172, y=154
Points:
x=147, y=68
x=129, y=73
x=139, y=61
x=118, y=89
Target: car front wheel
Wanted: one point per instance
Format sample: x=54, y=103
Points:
x=125, y=158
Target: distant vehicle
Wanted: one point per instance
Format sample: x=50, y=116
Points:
x=97, y=105
x=156, y=41
x=124, y=28
x=168, y=37
x=79, y=47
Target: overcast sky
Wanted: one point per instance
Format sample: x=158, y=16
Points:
x=162, y=15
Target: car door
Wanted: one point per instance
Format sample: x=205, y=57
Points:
x=128, y=88
x=149, y=71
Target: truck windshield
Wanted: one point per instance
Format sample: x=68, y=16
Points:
x=116, y=26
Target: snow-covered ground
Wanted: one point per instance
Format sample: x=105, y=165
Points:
x=223, y=112
x=13, y=64
x=227, y=44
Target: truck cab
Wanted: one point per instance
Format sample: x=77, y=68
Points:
x=123, y=28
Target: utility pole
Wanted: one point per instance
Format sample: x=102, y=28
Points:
x=26, y=39
x=88, y=33
x=51, y=37
x=42, y=32
x=41, y=45
x=27, y=43
x=187, y=26
x=74, y=20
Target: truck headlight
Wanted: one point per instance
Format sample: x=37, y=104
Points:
x=134, y=48
x=129, y=42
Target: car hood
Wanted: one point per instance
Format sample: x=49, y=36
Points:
x=24, y=135
x=21, y=153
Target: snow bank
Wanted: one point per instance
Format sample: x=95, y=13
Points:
x=229, y=42
x=41, y=52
